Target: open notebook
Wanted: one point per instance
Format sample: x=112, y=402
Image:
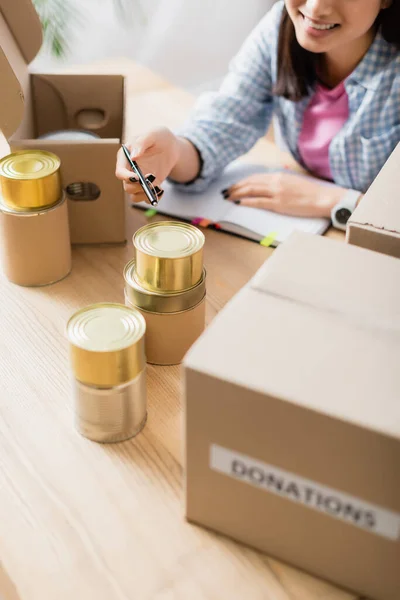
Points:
x=210, y=208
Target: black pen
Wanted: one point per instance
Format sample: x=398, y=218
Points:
x=147, y=188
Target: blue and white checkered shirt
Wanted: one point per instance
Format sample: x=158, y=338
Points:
x=227, y=123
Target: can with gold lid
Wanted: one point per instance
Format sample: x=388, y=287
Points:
x=107, y=353
x=169, y=256
x=161, y=302
x=30, y=180
x=35, y=246
x=174, y=320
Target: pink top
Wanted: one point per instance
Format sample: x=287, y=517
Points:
x=323, y=117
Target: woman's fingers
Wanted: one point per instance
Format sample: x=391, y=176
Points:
x=136, y=192
x=141, y=144
x=276, y=205
x=263, y=202
x=122, y=170
x=132, y=188
x=139, y=197
x=137, y=149
x=246, y=190
x=263, y=184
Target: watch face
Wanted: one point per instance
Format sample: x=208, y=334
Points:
x=343, y=215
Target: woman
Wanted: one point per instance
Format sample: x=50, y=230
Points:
x=330, y=72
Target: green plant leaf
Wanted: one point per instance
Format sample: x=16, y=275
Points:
x=127, y=9
x=59, y=17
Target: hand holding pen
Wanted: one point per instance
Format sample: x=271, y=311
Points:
x=158, y=152
x=153, y=193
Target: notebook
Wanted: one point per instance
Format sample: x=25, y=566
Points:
x=209, y=208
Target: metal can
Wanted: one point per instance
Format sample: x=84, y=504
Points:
x=169, y=256
x=174, y=320
x=161, y=302
x=69, y=135
x=30, y=180
x=35, y=246
x=112, y=414
x=108, y=361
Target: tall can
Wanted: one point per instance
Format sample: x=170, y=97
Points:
x=107, y=353
x=35, y=245
x=174, y=320
x=169, y=256
x=34, y=229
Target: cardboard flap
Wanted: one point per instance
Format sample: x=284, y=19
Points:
x=20, y=40
x=12, y=102
x=380, y=207
x=24, y=24
x=331, y=276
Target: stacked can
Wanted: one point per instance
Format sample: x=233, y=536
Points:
x=166, y=282
x=108, y=361
x=34, y=229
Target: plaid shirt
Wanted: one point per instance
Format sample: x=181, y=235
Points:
x=227, y=123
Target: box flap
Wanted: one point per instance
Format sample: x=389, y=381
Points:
x=325, y=275
x=302, y=340
x=20, y=39
x=24, y=24
x=380, y=207
x=12, y=102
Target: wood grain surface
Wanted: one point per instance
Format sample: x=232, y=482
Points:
x=105, y=522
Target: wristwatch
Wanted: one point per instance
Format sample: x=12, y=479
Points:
x=343, y=210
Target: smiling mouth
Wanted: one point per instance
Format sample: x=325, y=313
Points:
x=319, y=26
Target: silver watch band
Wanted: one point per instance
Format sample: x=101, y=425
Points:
x=342, y=211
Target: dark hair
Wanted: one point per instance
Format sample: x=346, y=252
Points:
x=297, y=66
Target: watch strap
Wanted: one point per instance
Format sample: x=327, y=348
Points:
x=342, y=211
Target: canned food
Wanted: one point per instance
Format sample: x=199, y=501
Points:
x=108, y=361
x=111, y=415
x=107, y=344
x=161, y=302
x=174, y=320
x=30, y=180
x=35, y=246
x=170, y=335
x=169, y=256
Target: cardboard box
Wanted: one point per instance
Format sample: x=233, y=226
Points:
x=56, y=102
x=375, y=224
x=7, y=587
x=292, y=415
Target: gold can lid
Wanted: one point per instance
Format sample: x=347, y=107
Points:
x=29, y=164
x=168, y=239
x=105, y=327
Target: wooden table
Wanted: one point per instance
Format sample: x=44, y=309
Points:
x=105, y=522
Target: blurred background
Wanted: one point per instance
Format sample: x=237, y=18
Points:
x=189, y=42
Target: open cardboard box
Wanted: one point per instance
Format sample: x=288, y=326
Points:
x=292, y=415
x=375, y=224
x=32, y=104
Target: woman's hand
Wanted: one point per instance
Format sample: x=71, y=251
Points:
x=285, y=193
x=159, y=154
x=156, y=154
